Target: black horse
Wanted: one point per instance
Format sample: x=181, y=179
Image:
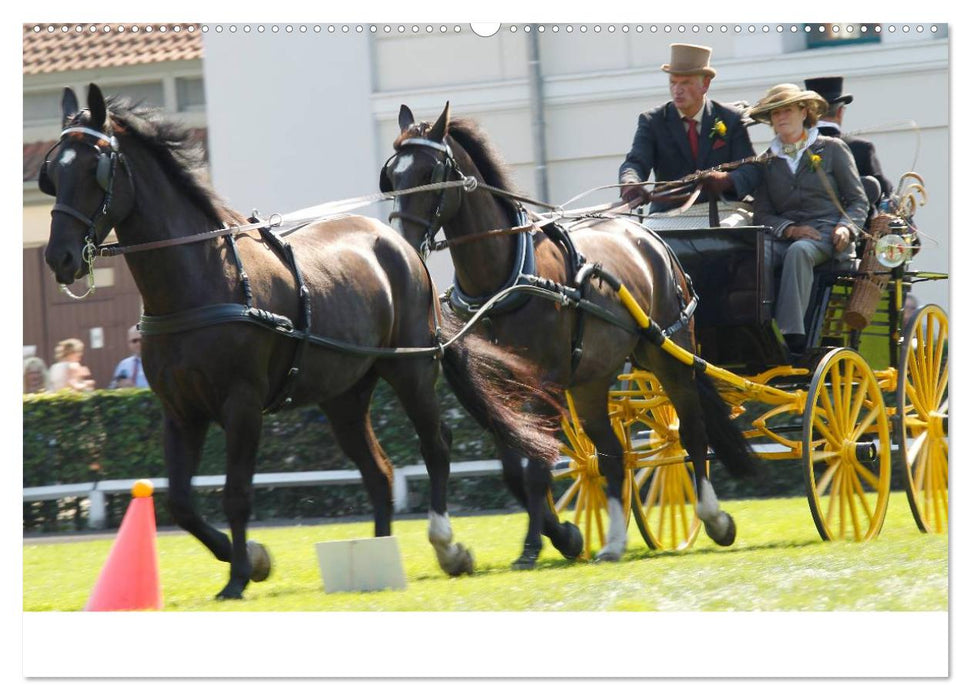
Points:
x=493, y=247
x=231, y=322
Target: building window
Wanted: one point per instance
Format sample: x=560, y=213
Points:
x=42, y=107
x=144, y=93
x=191, y=94
x=820, y=35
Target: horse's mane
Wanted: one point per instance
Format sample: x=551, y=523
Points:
x=471, y=137
x=178, y=154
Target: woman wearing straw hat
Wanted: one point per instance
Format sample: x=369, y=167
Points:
x=811, y=197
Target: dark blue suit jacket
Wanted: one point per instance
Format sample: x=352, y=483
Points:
x=661, y=144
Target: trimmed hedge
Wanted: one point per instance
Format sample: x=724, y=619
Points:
x=70, y=438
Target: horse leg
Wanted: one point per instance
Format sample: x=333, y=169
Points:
x=414, y=384
x=182, y=447
x=565, y=536
x=350, y=417
x=590, y=402
x=679, y=383
x=243, y=422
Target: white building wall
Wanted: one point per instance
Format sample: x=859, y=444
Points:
x=295, y=120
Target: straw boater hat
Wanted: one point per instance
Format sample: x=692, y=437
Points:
x=687, y=59
x=786, y=94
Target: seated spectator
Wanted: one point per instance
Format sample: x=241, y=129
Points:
x=810, y=196
x=67, y=372
x=129, y=372
x=35, y=376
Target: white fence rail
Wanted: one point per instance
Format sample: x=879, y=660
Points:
x=95, y=492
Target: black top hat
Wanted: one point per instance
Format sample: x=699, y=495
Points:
x=830, y=89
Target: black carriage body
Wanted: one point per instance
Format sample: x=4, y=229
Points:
x=736, y=271
x=734, y=281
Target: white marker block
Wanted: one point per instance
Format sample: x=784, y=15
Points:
x=372, y=564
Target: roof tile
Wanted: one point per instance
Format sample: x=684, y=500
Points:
x=53, y=48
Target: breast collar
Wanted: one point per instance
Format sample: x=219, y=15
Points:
x=524, y=265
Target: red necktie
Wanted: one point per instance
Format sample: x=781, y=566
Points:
x=692, y=136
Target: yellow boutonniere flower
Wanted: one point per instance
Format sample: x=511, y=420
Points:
x=814, y=160
x=718, y=129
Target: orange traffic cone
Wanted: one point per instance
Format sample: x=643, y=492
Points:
x=129, y=579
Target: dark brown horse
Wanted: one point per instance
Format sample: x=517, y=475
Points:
x=222, y=347
x=547, y=336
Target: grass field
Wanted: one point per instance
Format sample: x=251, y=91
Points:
x=777, y=563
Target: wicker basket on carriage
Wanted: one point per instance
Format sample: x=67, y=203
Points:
x=872, y=279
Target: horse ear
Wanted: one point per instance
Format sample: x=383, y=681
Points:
x=96, y=103
x=405, y=118
x=440, y=129
x=69, y=106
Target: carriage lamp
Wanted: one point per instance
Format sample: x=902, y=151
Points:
x=896, y=247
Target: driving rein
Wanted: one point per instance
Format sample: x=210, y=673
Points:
x=522, y=282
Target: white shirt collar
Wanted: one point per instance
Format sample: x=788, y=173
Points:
x=793, y=161
x=697, y=117
x=832, y=125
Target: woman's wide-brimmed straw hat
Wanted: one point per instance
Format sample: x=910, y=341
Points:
x=783, y=95
x=688, y=59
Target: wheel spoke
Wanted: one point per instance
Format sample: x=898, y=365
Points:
x=824, y=430
x=826, y=477
x=916, y=447
x=567, y=496
x=874, y=413
x=868, y=476
x=861, y=492
x=833, y=492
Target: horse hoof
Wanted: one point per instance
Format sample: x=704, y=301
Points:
x=232, y=591
x=462, y=563
x=259, y=560
x=570, y=545
x=606, y=555
x=526, y=560
x=727, y=536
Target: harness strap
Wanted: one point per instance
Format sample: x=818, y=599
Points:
x=525, y=265
x=285, y=395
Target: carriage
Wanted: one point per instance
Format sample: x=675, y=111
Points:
x=846, y=423
x=219, y=360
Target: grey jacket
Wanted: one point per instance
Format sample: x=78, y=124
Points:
x=800, y=198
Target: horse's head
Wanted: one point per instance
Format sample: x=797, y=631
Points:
x=422, y=157
x=82, y=172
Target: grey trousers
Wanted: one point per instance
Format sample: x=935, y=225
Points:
x=798, y=260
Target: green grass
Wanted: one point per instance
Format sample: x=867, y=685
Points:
x=777, y=563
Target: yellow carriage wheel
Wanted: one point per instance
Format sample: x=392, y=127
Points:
x=663, y=491
x=923, y=404
x=846, y=449
x=585, y=499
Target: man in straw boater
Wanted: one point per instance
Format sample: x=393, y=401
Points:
x=831, y=124
x=687, y=134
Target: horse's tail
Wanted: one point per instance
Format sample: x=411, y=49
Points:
x=724, y=435
x=496, y=387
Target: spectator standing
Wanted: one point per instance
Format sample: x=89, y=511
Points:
x=129, y=372
x=68, y=372
x=35, y=376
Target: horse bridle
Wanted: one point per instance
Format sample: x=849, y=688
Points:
x=105, y=175
x=446, y=169
x=106, y=168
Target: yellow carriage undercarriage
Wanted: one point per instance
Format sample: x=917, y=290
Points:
x=841, y=428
